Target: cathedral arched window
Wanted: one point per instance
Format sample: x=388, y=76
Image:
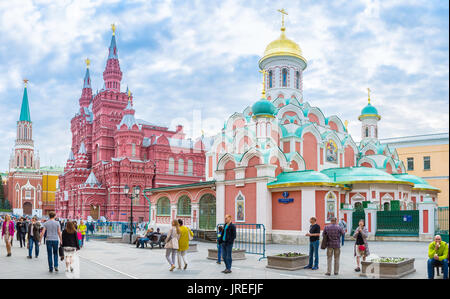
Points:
x=24, y=161
x=18, y=161
x=367, y=132
x=297, y=80
x=190, y=167
x=284, y=77
x=180, y=166
x=31, y=161
x=133, y=149
x=171, y=165
x=270, y=79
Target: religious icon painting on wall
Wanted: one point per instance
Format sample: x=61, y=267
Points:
x=331, y=151
x=330, y=206
x=240, y=208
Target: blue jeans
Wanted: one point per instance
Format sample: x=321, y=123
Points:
x=227, y=249
x=219, y=252
x=343, y=238
x=30, y=247
x=432, y=263
x=314, y=252
x=142, y=241
x=52, y=249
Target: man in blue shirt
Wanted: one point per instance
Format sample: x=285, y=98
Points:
x=229, y=234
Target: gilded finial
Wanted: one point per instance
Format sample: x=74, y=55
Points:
x=368, y=92
x=25, y=81
x=283, y=12
x=264, y=72
x=346, y=124
x=113, y=27
x=129, y=95
x=88, y=62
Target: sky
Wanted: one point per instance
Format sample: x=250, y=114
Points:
x=186, y=58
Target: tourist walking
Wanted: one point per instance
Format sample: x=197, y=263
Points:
x=361, y=249
x=314, y=236
x=70, y=245
x=333, y=233
x=229, y=235
x=171, y=243
x=82, y=229
x=219, y=243
x=437, y=256
x=34, y=237
x=53, y=230
x=183, y=243
x=343, y=225
x=21, y=228
x=8, y=233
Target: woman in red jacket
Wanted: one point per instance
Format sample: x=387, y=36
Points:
x=8, y=233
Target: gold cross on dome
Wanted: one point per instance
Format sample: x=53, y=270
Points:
x=264, y=72
x=368, y=92
x=283, y=12
x=113, y=27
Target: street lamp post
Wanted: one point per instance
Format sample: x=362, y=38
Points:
x=131, y=196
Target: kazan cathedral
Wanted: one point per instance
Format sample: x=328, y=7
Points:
x=281, y=161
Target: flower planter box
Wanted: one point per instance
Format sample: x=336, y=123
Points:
x=237, y=254
x=287, y=263
x=387, y=269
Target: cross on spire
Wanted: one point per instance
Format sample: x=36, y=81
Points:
x=368, y=92
x=283, y=12
x=25, y=81
x=264, y=72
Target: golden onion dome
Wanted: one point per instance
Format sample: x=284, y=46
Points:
x=283, y=47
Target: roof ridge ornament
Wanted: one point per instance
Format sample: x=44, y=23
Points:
x=113, y=27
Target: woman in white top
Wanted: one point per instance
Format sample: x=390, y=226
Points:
x=171, y=244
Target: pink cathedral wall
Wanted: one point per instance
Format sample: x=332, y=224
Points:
x=310, y=151
x=349, y=157
x=249, y=192
x=287, y=216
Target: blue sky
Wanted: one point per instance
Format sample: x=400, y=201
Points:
x=183, y=56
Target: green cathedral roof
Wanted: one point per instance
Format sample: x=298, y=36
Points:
x=25, y=110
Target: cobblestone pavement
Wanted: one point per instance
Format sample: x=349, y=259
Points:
x=99, y=259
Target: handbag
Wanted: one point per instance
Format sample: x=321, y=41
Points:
x=324, y=243
x=362, y=248
x=61, y=252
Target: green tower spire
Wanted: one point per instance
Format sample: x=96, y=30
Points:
x=25, y=110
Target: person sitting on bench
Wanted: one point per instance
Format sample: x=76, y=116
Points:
x=145, y=239
x=437, y=256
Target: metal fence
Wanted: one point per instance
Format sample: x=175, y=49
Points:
x=441, y=223
x=103, y=230
x=398, y=223
x=250, y=237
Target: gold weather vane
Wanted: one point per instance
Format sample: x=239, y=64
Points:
x=283, y=12
x=25, y=81
x=88, y=62
x=368, y=92
x=264, y=72
x=113, y=27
